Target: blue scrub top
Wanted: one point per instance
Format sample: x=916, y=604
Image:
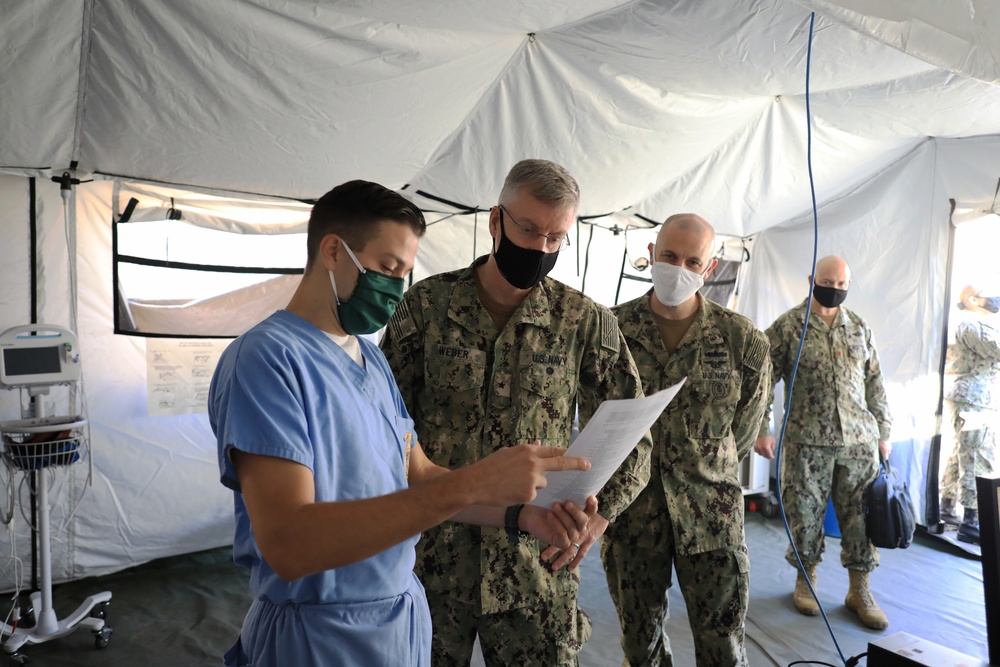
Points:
x=285, y=389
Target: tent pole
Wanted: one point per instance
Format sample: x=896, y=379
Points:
x=621, y=274
x=33, y=261
x=932, y=508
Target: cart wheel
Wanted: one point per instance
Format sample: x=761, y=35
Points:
x=102, y=637
x=18, y=659
x=769, y=508
x=27, y=613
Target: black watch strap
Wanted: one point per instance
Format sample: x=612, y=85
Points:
x=510, y=523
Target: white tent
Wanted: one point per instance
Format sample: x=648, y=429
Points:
x=211, y=108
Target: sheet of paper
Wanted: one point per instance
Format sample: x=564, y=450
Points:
x=179, y=372
x=610, y=435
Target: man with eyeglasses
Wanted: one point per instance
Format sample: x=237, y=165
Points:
x=496, y=353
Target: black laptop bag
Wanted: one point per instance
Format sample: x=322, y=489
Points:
x=889, y=512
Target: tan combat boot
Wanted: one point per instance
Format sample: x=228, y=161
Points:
x=860, y=601
x=802, y=598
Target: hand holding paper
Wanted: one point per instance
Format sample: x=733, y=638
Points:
x=611, y=434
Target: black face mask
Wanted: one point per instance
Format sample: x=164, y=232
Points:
x=522, y=267
x=829, y=297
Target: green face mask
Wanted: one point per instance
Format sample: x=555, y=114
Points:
x=373, y=302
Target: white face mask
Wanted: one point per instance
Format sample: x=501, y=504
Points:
x=674, y=284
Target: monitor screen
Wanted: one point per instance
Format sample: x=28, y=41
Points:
x=31, y=361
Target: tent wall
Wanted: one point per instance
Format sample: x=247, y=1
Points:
x=51, y=304
x=155, y=489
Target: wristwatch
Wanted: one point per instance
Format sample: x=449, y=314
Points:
x=510, y=523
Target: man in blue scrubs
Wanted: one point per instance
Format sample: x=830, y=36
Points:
x=331, y=488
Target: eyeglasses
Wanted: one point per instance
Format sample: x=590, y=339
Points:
x=553, y=242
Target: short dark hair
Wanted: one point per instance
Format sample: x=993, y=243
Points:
x=354, y=210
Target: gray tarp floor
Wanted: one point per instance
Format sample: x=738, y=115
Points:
x=186, y=611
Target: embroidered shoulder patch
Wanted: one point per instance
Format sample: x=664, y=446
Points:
x=402, y=326
x=610, y=339
x=757, y=351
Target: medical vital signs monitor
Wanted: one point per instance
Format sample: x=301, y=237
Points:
x=38, y=355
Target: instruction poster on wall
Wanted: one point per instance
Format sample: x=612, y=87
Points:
x=178, y=374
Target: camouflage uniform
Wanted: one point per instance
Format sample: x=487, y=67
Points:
x=690, y=516
x=974, y=400
x=838, y=414
x=472, y=390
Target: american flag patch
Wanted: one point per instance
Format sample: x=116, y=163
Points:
x=610, y=339
x=401, y=326
x=757, y=351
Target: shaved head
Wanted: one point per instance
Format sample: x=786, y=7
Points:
x=833, y=271
x=693, y=230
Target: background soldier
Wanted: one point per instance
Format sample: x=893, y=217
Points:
x=838, y=413
x=972, y=300
x=499, y=352
x=690, y=516
x=974, y=402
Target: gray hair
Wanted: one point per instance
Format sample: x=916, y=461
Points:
x=545, y=181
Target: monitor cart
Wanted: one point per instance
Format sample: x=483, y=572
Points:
x=33, y=359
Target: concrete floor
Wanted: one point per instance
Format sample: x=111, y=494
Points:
x=188, y=610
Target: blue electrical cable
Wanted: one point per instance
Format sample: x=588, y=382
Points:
x=802, y=339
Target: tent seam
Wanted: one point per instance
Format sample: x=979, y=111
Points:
x=595, y=16
x=81, y=90
x=489, y=90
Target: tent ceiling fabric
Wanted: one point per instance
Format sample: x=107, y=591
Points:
x=640, y=100
x=967, y=42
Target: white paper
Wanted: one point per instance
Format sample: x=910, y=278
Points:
x=179, y=372
x=609, y=437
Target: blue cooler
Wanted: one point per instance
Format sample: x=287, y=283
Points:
x=830, y=525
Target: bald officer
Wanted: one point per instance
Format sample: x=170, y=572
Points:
x=690, y=516
x=838, y=425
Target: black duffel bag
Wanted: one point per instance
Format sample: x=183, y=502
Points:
x=889, y=512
